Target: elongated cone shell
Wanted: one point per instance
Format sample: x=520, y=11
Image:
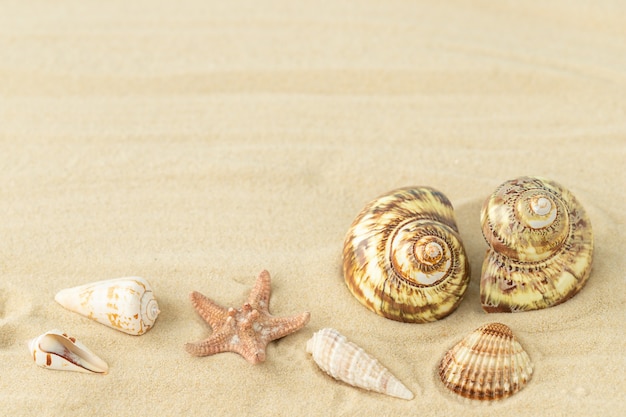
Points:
x=124, y=304
x=57, y=350
x=403, y=257
x=488, y=364
x=541, y=246
x=345, y=361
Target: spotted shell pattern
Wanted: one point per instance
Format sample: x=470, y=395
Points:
x=488, y=364
x=541, y=246
x=125, y=304
x=403, y=257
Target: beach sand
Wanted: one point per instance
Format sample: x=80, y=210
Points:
x=197, y=143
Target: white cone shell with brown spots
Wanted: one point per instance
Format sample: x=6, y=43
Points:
x=345, y=361
x=124, y=304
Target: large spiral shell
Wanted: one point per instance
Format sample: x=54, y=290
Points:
x=403, y=257
x=541, y=246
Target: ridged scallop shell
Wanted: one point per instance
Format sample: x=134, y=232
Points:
x=57, y=350
x=403, y=257
x=124, y=304
x=541, y=246
x=345, y=361
x=488, y=364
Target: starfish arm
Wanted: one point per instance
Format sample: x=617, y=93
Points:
x=282, y=326
x=210, y=312
x=253, y=349
x=260, y=295
x=220, y=341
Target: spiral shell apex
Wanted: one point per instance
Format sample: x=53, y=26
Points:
x=124, y=304
x=403, y=257
x=541, y=246
x=488, y=364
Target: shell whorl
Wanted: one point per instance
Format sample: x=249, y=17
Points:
x=150, y=308
x=527, y=219
x=541, y=246
x=403, y=257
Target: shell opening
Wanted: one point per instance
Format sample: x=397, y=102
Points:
x=66, y=353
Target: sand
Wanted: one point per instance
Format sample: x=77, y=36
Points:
x=196, y=143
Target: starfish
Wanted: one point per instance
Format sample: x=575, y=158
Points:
x=246, y=330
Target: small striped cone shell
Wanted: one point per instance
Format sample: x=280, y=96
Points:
x=488, y=364
x=345, y=361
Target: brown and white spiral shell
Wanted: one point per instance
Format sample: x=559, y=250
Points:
x=541, y=246
x=347, y=362
x=488, y=364
x=403, y=257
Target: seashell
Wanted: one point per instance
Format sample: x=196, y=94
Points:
x=403, y=257
x=125, y=304
x=541, y=246
x=488, y=364
x=57, y=350
x=345, y=361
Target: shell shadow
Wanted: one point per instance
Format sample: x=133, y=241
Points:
x=468, y=220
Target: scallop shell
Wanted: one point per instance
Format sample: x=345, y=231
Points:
x=124, y=304
x=541, y=246
x=345, y=361
x=57, y=350
x=403, y=257
x=488, y=364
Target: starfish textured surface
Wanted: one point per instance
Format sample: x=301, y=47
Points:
x=246, y=330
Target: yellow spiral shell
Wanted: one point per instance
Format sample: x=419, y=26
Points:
x=403, y=257
x=541, y=246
